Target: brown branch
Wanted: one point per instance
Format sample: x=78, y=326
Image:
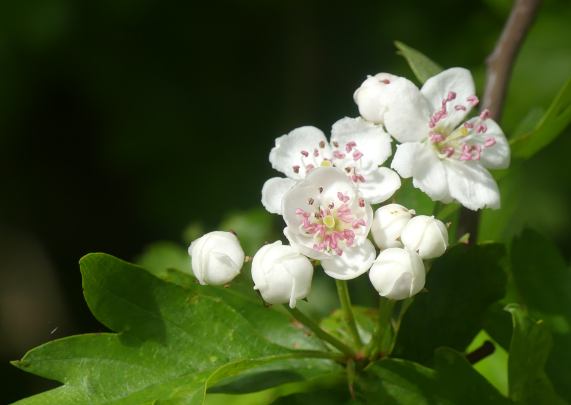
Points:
x=499, y=67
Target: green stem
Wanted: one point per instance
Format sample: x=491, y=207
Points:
x=384, y=334
x=314, y=327
x=345, y=301
x=316, y=354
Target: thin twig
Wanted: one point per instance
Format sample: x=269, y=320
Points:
x=499, y=67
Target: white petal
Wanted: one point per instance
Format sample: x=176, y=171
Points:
x=287, y=154
x=437, y=88
x=352, y=263
x=498, y=155
x=429, y=175
x=419, y=161
x=408, y=113
x=405, y=156
x=370, y=140
x=471, y=185
x=379, y=185
x=273, y=192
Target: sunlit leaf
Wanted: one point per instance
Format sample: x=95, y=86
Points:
x=173, y=343
x=422, y=66
x=548, y=128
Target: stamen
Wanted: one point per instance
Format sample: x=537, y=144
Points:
x=295, y=169
x=489, y=142
x=451, y=96
x=357, y=155
x=385, y=81
x=482, y=128
x=305, y=153
x=315, y=152
x=339, y=155
x=350, y=145
x=435, y=137
x=448, y=151
x=335, y=144
x=343, y=197
x=460, y=107
x=309, y=168
x=322, y=144
x=361, y=203
x=473, y=100
x=484, y=115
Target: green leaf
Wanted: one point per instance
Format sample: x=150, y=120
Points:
x=160, y=257
x=336, y=324
x=461, y=286
x=549, y=127
x=529, y=349
x=412, y=197
x=421, y=65
x=543, y=283
x=172, y=344
x=253, y=227
x=402, y=382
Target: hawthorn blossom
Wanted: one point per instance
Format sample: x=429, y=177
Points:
x=446, y=155
x=216, y=258
x=327, y=219
x=357, y=147
x=281, y=274
x=398, y=273
x=426, y=236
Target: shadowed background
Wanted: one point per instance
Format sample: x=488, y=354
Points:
x=122, y=123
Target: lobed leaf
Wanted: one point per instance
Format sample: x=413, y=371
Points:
x=172, y=344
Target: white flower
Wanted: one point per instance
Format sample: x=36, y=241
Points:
x=388, y=224
x=281, y=274
x=375, y=93
x=328, y=220
x=398, y=273
x=357, y=147
x=216, y=257
x=425, y=235
x=446, y=157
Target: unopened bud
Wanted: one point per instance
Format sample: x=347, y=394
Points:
x=425, y=235
x=281, y=274
x=398, y=273
x=388, y=224
x=216, y=258
x=372, y=96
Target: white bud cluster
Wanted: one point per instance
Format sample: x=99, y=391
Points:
x=405, y=240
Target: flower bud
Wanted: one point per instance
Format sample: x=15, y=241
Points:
x=281, y=274
x=216, y=257
x=388, y=224
x=398, y=273
x=374, y=95
x=425, y=235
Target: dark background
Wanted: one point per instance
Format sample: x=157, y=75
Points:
x=123, y=122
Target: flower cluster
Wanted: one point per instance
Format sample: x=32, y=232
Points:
x=326, y=195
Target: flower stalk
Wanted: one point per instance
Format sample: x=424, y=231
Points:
x=345, y=300
x=315, y=328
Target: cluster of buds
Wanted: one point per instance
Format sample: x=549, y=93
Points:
x=405, y=241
